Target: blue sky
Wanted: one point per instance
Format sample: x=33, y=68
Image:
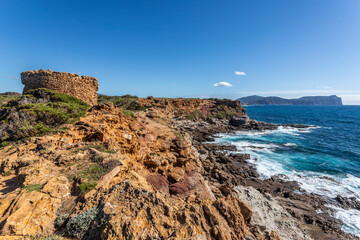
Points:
x=183, y=48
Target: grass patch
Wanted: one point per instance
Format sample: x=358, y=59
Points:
x=128, y=113
x=224, y=112
x=44, y=151
x=48, y=237
x=89, y=177
x=4, y=144
x=7, y=98
x=98, y=147
x=45, y=110
x=34, y=187
x=93, y=173
x=126, y=102
x=10, y=148
x=195, y=115
x=7, y=173
x=86, y=187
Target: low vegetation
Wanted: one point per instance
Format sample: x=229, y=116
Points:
x=39, y=112
x=224, y=111
x=128, y=113
x=5, y=98
x=126, y=102
x=7, y=173
x=98, y=147
x=4, y=144
x=78, y=225
x=49, y=237
x=88, y=177
x=34, y=187
x=195, y=115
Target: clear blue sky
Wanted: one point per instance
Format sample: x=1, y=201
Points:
x=182, y=48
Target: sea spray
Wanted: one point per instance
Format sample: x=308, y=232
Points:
x=324, y=159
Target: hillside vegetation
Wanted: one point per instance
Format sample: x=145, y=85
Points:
x=38, y=112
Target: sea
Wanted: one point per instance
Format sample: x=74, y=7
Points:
x=324, y=159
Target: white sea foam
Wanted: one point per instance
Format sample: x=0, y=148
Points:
x=281, y=129
x=350, y=218
x=290, y=144
x=263, y=154
x=322, y=185
x=318, y=211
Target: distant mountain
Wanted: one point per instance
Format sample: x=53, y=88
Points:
x=310, y=100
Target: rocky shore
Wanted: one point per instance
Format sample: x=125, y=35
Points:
x=145, y=169
x=277, y=204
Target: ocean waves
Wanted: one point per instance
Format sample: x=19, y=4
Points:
x=288, y=153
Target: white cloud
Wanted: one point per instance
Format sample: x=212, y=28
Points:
x=12, y=77
x=222, y=84
x=240, y=73
x=350, y=99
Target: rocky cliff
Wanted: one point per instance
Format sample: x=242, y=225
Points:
x=112, y=176
x=141, y=168
x=309, y=100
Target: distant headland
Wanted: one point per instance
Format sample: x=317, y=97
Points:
x=332, y=100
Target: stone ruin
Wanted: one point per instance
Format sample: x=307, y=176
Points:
x=81, y=87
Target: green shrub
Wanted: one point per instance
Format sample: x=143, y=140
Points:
x=195, y=115
x=126, y=102
x=44, y=111
x=128, y=113
x=49, y=237
x=7, y=173
x=86, y=187
x=78, y=225
x=33, y=187
x=41, y=129
x=90, y=177
x=98, y=147
x=4, y=144
x=93, y=173
x=61, y=220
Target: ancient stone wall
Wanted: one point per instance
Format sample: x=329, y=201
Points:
x=82, y=87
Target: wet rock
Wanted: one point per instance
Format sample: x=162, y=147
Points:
x=239, y=121
x=350, y=202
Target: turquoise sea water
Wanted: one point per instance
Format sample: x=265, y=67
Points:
x=324, y=159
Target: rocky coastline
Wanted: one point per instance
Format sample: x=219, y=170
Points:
x=307, y=215
x=144, y=168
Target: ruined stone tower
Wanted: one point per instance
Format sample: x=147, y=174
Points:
x=82, y=87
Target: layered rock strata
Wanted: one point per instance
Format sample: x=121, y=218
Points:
x=145, y=182
x=152, y=175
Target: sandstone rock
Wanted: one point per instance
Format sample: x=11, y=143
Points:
x=28, y=213
x=57, y=187
x=270, y=216
x=166, y=198
x=105, y=180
